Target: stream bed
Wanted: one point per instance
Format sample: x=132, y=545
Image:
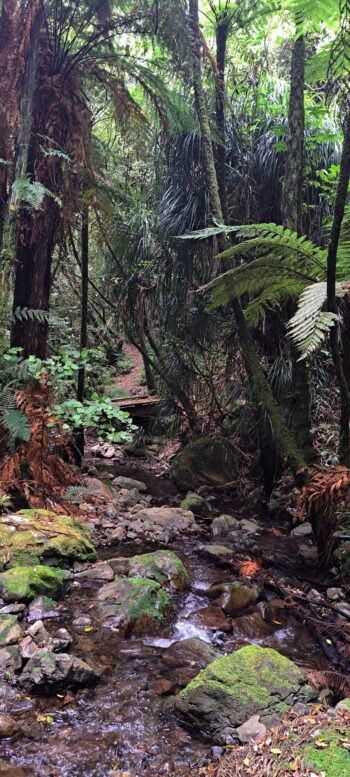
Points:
x=124, y=725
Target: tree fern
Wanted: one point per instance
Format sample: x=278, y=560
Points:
x=311, y=324
x=17, y=427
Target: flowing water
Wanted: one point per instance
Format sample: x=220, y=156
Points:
x=123, y=725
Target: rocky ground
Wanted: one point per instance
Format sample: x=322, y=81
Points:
x=229, y=697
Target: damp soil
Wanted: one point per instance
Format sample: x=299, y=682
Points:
x=123, y=725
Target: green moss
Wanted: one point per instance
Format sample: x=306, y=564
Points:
x=333, y=760
x=250, y=674
x=342, y=554
x=162, y=566
x=32, y=536
x=192, y=502
x=24, y=583
x=8, y=625
x=149, y=604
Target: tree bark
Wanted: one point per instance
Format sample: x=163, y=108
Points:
x=292, y=203
x=79, y=437
x=222, y=28
x=339, y=208
x=292, y=195
x=264, y=399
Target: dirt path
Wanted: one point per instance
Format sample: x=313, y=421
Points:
x=132, y=382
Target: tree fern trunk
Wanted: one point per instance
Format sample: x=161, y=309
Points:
x=292, y=203
x=264, y=400
x=338, y=357
x=79, y=438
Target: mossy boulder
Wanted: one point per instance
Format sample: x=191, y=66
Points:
x=133, y=605
x=24, y=583
x=331, y=759
x=10, y=630
x=163, y=566
x=192, y=502
x=234, y=596
x=50, y=671
x=209, y=461
x=251, y=681
x=35, y=536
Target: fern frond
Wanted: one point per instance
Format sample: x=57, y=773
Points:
x=17, y=426
x=310, y=325
x=271, y=298
x=25, y=314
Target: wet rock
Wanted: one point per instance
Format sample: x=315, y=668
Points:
x=111, y=513
x=250, y=627
x=64, y=637
x=41, y=608
x=273, y=610
x=128, y=498
x=40, y=536
x=193, y=502
x=101, y=571
x=120, y=566
x=308, y=554
x=38, y=632
x=208, y=461
x=119, y=534
x=28, y=648
x=130, y=483
x=251, y=681
x=48, y=670
x=218, y=553
x=223, y=524
x=162, y=686
x=344, y=608
x=164, y=566
x=98, y=488
x=24, y=583
x=192, y=651
x=10, y=660
x=10, y=630
x=249, y=526
x=234, y=596
x=82, y=622
x=167, y=521
x=334, y=594
x=14, y=609
x=303, y=530
x=251, y=729
x=211, y=618
x=133, y=604
x=8, y=726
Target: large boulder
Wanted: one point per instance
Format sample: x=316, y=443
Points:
x=36, y=536
x=251, y=681
x=209, y=461
x=48, y=670
x=25, y=583
x=164, y=566
x=163, y=522
x=133, y=605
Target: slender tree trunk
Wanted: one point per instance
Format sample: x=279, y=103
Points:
x=261, y=390
x=79, y=437
x=221, y=42
x=292, y=195
x=344, y=431
x=292, y=202
x=339, y=208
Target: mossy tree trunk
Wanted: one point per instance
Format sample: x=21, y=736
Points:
x=340, y=358
x=292, y=203
x=264, y=400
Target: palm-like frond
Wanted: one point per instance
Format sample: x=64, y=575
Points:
x=311, y=324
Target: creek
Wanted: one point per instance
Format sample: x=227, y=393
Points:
x=124, y=724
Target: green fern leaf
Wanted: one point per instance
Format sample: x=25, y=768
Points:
x=17, y=426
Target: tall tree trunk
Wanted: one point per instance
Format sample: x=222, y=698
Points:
x=292, y=195
x=79, y=437
x=222, y=28
x=17, y=83
x=292, y=202
x=339, y=208
x=264, y=399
